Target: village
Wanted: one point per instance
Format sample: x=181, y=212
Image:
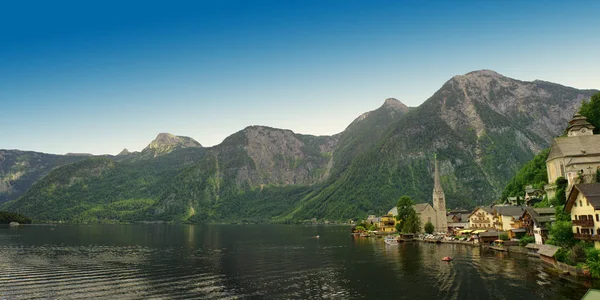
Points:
x=520, y=223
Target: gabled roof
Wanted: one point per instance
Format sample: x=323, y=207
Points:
x=419, y=207
x=548, y=250
x=487, y=209
x=585, y=145
x=540, y=216
x=508, y=210
x=545, y=210
x=393, y=211
x=591, y=191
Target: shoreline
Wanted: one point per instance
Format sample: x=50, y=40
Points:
x=560, y=268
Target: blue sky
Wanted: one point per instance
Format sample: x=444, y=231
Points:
x=100, y=76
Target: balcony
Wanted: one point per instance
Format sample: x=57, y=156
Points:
x=480, y=221
x=586, y=237
x=583, y=223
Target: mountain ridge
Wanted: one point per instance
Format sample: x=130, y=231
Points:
x=482, y=125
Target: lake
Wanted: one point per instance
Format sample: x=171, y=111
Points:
x=161, y=261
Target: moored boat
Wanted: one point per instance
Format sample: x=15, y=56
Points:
x=391, y=240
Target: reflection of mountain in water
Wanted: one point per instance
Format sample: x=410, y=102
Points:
x=256, y=261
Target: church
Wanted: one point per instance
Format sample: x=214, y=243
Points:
x=435, y=214
x=576, y=156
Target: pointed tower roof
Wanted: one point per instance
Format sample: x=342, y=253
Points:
x=577, y=123
x=437, y=185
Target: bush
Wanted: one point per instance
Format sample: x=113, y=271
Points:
x=429, y=227
x=577, y=254
x=526, y=240
x=593, y=261
x=561, y=234
x=503, y=236
x=562, y=255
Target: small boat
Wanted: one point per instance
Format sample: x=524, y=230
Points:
x=390, y=240
x=447, y=258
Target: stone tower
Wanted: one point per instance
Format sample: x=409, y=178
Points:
x=579, y=126
x=439, y=201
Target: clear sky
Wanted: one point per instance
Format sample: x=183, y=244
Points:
x=99, y=76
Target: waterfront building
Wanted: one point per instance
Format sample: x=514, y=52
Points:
x=425, y=211
x=507, y=217
x=435, y=214
x=583, y=204
x=457, y=220
x=482, y=217
x=575, y=157
x=387, y=223
x=537, y=221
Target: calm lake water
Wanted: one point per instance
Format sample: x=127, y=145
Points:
x=257, y=262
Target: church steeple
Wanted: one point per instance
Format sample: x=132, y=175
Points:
x=439, y=199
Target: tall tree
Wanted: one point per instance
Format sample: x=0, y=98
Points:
x=408, y=220
x=591, y=110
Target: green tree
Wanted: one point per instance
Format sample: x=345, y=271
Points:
x=591, y=110
x=526, y=240
x=428, y=227
x=561, y=234
x=561, y=214
x=534, y=173
x=561, y=190
x=408, y=220
x=503, y=236
x=412, y=224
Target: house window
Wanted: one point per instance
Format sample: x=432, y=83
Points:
x=575, y=203
x=580, y=203
x=587, y=202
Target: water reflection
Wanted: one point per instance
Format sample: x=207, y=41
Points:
x=275, y=262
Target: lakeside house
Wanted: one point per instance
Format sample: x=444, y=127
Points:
x=507, y=217
x=482, y=217
x=583, y=203
x=387, y=223
x=537, y=221
x=458, y=220
x=575, y=157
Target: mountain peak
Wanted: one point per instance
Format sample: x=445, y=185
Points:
x=124, y=152
x=395, y=104
x=166, y=142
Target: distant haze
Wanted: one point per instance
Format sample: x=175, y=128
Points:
x=97, y=78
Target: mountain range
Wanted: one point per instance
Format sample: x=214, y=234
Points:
x=483, y=127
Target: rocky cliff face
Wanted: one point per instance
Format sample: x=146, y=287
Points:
x=483, y=127
x=165, y=143
x=539, y=107
x=247, y=162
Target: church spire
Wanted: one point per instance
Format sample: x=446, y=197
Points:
x=437, y=186
x=439, y=199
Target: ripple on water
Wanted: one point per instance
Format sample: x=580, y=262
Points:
x=65, y=272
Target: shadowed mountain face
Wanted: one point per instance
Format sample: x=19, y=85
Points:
x=20, y=169
x=482, y=125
